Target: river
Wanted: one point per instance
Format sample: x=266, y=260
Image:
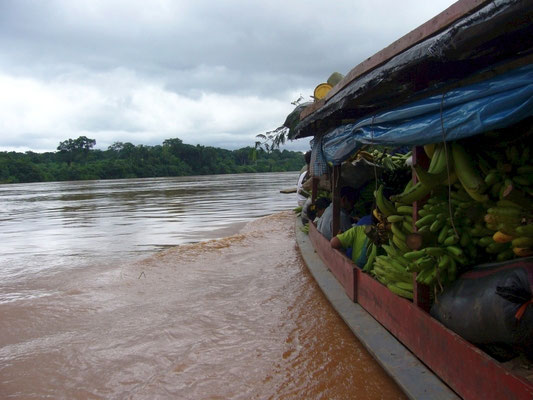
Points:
x=168, y=288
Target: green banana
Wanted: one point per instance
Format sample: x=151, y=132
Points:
x=451, y=240
x=455, y=251
x=436, y=225
x=442, y=234
x=372, y=252
x=400, y=244
x=507, y=254
x=467, y=174
x=505, y=211
x=407, y=226
x=391, y=251
x=423, y=212
x=444, y=261
x=438, y=161
x=399, y=291
x=405, y=285
x=384, y=205
x=495, y=248
x=397, y=231
x=492, y=177
x=408, y=210
x=415, y=193
x=525, y=230
x=395, y=218
x=428, y=179
x=485, y=241
x=425, y=262
x=523, y=242
x=434, y=251
x=427, y=220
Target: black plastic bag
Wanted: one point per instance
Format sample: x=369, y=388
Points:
x=491, y=305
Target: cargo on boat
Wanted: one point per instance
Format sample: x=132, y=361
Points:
x=444, y=116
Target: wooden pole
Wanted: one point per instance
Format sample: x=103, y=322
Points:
x=336, y=199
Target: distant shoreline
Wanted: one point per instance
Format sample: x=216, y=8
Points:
x=126, y=161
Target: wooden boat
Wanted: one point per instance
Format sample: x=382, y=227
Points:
x=470, y=43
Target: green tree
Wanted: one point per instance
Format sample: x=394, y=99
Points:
x=79, y=148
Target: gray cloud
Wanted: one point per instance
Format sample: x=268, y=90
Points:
x=208, y=72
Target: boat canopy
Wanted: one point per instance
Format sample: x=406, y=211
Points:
x=463, y=112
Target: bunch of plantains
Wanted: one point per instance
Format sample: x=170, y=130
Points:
x=393, y=269
x=390, y=161
x=508, y=177
x=477, y=208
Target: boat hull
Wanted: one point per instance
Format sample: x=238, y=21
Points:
x=471, y=373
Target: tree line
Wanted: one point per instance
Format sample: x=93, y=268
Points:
x=76, y=159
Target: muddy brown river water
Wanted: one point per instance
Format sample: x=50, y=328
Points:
x=237, y=316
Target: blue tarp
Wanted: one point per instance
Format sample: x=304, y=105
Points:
x=467, y=111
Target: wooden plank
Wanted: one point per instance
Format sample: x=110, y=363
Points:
x=340, y=266
x=466, y=369
x=427, y=29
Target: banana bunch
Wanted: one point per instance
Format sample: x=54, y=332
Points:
x=435, y=265
x=512, y=227
x=456, y=224
x=401, y=224
x=397, y=220
x=508, y=173
x=363, y=154
x=380, y=232
x=476, y=212
x=509, y=178
x=393, y=270
x=484, y=235
x=390, y=161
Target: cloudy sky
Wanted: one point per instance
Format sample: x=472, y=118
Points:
x=214, y=73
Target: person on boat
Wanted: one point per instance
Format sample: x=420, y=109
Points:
x=301, y=194
x=325, y=225
x=354, y=241
x=312, y=212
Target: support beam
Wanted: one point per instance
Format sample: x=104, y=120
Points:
x=335, y=190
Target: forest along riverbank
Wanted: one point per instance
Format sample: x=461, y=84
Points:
x=234, y=318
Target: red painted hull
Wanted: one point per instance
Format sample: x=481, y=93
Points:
x=471, y=373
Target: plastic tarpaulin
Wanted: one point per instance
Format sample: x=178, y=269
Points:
x=459, y=113
x=496, y=35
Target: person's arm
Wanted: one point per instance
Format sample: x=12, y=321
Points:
x=342, y=240
x=335, y=242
